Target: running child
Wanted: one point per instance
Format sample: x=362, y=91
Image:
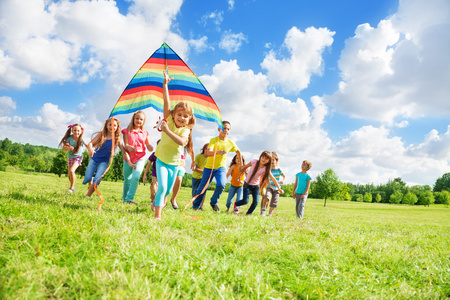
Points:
x=75, y=145
x=135, y=140
x=176, y=134
x=237, y=181
x=100, y=156
x=301, y=188
x=272, y=192
x=219, y=146
x=259, y=174
x=197, y=170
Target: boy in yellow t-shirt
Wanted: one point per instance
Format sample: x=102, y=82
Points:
x=218, y=146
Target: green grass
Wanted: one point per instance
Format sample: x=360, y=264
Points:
x=56, y=245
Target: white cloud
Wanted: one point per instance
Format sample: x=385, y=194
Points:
x=200, y=45
x=7, y=105
x=305, y=58
x=215, y=16
x=398, y=69
x=370, y=154
x=232, y=42
x=230, y=4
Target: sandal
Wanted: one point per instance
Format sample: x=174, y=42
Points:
x=70, y=190
x=175, y=206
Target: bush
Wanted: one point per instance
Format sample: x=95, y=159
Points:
x=396, y=198
x=410, y=199
x=442, y=197
x=368, y=197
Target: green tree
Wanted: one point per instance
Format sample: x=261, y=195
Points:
x=358, y=198
x=396, y=198
x=368, y=197
x=37, y=164
x=442, y=183
x=410, y=199
x=378, y=198
x=327, y=185
x=426, y=198
x=442, y=197
x=59, y=165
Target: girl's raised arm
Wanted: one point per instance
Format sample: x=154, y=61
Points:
x=166, y=98
x=94, y=141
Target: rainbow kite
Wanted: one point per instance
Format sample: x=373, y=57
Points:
x=146, y=88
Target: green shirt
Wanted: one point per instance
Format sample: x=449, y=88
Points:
x=200, y=162
x=167, y=150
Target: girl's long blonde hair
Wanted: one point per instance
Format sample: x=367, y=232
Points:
x=69, y=133
x=190, y=125
x=104, y=133
x=131, y=125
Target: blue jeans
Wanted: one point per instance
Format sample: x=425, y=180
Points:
x=131, y=179
x=195, y=184
x=234, y=190
x=220, y=176
x=97, y=168
x=254, y=190
x=166, y=175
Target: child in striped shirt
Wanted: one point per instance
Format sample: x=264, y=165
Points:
x=272, y=191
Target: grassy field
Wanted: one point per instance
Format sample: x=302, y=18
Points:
x=57, y=245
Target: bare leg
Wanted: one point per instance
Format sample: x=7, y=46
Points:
x=176, y=189
x=71, y=174
x=91, y=190
x=158, y=212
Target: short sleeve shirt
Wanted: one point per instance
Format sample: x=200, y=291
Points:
x=137, y=139
x=200, y=162
x=216, y=144
x=258, y=174
x=74, y=145
x=167, y=150
x=277, y=173
x=302, y=182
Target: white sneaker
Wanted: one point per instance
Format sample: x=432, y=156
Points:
x=263, y=212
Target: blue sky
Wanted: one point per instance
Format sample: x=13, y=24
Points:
x=357, y=86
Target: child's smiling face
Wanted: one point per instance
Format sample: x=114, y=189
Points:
x=181, y=117
x=76, y=131
x=138, y=120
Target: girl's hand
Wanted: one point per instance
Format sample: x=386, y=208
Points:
x=164, y=126
x=144, y=179
x=150, y=147
x=131, y=165
x=281, y=192
x=167, y=79
x=130, y=148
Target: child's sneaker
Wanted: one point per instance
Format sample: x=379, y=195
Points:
x=263, y=211
x=236, y=209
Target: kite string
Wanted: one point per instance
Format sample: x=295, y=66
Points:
x=102, y=199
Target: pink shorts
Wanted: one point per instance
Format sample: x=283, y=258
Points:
x=71, y=161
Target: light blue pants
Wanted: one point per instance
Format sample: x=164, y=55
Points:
x=234, y=190
x=131, y=179
x=166, y=175
x=97, y=168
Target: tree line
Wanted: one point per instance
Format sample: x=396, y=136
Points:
x=326, y=186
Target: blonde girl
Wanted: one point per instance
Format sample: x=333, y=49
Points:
x=176, y=134
x=100, y=153
x=237, y=181
x=258, y=178
x=75, y=145
x=135, y=140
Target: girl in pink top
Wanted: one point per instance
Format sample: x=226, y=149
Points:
x=135, y=140
x=258, y=178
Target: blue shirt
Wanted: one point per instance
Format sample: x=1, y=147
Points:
x=74, y=145
x=302, y=182
x=103, y=153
